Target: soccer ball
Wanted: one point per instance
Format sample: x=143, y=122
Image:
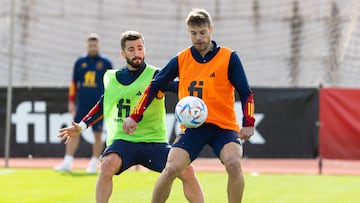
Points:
x=191, y=111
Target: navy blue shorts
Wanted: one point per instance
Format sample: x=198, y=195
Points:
x=195, y=139
x=81, y=112
x=150, y=155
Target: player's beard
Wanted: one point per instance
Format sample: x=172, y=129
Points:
x=133, y=64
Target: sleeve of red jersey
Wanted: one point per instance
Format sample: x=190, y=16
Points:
x=248, y=111
x=95, y=114
x=144, y=101
x=72, y=92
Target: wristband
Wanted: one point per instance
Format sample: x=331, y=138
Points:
x=83, y=125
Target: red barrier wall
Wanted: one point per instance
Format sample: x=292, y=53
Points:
x=339, y=130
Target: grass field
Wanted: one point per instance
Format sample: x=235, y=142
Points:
x=45, y=185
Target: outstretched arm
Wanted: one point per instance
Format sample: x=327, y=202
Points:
x=65, y=134
x=92, y=117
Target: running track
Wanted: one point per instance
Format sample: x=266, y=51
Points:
x=283, y=166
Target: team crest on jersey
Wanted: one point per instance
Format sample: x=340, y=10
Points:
x=83, y=65
x=99, y=65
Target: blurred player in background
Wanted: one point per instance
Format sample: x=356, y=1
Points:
x=212, y=73
x=147, y=146
x=85, y=89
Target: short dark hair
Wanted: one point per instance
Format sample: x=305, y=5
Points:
x=130, y=35
x=92, y=37
x=198, y=16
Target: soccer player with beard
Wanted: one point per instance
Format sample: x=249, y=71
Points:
x=148, y=145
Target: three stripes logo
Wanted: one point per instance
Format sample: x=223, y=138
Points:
x=212, y=75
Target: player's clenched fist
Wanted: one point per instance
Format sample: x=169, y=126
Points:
x=129, y=125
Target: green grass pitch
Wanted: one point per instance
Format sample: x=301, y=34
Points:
x=45, y=185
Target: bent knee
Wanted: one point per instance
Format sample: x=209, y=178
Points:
x=187, y=173
x=233, y=166
x=171, y=171
x=110, y=164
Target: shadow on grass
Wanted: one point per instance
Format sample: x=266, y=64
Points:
x=77, y=173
